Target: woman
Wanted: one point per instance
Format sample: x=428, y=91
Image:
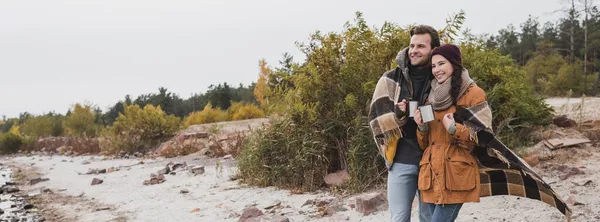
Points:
x=448, y=174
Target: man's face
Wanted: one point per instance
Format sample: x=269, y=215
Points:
x=419, y=50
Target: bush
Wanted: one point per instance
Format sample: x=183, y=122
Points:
x=42, y=126
x=284, y=155
x=10, y=143
x=207, y=115
x=323, y=127
x=81, y=121
x=239, y=111
x=138, y=130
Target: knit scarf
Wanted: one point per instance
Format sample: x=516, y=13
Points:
x=440, y=97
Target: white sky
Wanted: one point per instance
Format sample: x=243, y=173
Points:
x=54, y=53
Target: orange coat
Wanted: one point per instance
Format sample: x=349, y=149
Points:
x=448, y=170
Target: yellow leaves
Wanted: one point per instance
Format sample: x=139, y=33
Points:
x=207, y=115
x=237, y=111
x=261, y=85
x=81, y=121
x=15, y=130
x=247, y=112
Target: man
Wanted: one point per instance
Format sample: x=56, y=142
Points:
x=395, y=132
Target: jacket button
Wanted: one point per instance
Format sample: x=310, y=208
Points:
x=432, y=143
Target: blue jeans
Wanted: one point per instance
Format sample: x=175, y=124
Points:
x=440, y=213
x=402, y=188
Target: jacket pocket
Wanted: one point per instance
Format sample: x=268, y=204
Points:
x=424, y=176
x=460, y=173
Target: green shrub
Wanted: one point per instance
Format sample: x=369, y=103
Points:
x=81, y=121
x=10, y=143
x=139, y=129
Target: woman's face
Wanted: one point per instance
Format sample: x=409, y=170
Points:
x=441, y=68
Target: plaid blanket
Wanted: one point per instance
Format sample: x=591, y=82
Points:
x=383, y=115
x=502, y=172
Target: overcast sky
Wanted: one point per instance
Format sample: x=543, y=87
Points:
x=54, y=53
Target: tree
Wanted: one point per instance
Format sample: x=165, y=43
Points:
x=82, y=121
x=508, y=43
x=529, y=38
x=261, y=84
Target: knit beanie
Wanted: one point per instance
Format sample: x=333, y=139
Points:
x=450, y=52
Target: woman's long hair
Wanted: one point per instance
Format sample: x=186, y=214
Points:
x=456, y=82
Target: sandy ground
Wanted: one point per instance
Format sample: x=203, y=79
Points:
x=123, y=197
x=219, y=199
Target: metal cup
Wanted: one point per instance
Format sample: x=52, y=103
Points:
x=412, y=107
x=427, y=113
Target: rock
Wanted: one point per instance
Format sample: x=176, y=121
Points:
x=102, y=171
x=10, y=189
x=176, y=166
x=570, y=171
x=228, y=157
x=582, y=182
x=110, y=170
x=564, y=122
x=165, y=170
x=197, y=170
x=28, y=206
x=250, y=213
x=85, y=162
x=37, y=180
x=234, y=177
x=96, y=181
x=195, y=210
x=280, y=219
x=184, y=191
x=308, y=202
x=165, y=148
x=337, y=178
x=173, y=173
x=276, y=204
x=532, y=160
x=371, y=202
x=141, y=162
x=541, y=151
x=155, y=179
x=102, y=208
x=64, y=161
x=204, y=152
x=323, y=202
